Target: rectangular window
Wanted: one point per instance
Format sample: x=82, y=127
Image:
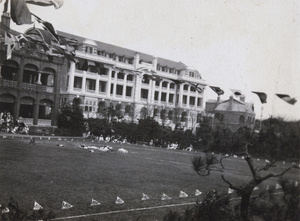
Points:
x=128, y=91
x=77, y=82
x=164, y=84
x=163, y=96
x=185, y=87
x=102, y=86
x=111, y=88
x=157, y=83
x=113, y=74
x=156, y=93
x=184, y=99
x=120, y=75
x=171, y=98
x=192, y=100
x=199, y=101
x=144, y=93
x=130, y=77
x=90, y=84
x=119, y=90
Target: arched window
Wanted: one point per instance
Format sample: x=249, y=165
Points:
x=242, y=119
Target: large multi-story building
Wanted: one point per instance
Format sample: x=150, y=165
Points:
x=102, y=77
x=136, y=85
x=29, y=82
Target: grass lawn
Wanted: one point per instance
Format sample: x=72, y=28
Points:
x=50, y=174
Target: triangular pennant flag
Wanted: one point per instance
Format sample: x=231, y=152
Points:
x=198, y=192
x=145, y=197
x=5, y=210
x=287, y=98
x=197, y=87
x=37, y=206
x=243, y=157
x=236, y=92
x=66, y=205
x=217, y=90
x=165, y=197
x=262, y=96
x=230, y=190
x=296, y=183
x=95, y=203
x=235, y=156
x=267, y=161
x=278, y=186
x=119, y=200
x=256, y=188
x=257, y=159
x=182, y=194
x=227, y=155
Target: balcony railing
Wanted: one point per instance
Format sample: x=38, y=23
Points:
x=8, y=83
x=28, y=86
x=47, y=89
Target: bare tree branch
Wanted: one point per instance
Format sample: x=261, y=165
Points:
x=276, y=175
x=231, y=186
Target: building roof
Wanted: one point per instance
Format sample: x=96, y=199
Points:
x=113, y=49
x=235, y=106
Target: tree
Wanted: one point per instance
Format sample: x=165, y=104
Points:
x=207, y=163
x=71, y=118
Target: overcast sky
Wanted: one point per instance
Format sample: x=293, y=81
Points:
x=249, y=45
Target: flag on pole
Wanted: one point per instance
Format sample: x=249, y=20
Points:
x=236, y=92
x=37, y=206
x=262, y=96
x=287, y=98
x=217, y=90
x=197, y=87
x=47, y=26
x=19, y=12
x=12, y=44
x=56, y=3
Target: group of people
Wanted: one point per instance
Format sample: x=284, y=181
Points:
x=9, y=125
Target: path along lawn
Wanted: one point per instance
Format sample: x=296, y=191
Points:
x=49, y=174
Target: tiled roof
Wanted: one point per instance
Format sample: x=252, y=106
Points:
x=237, y=106
x=126, y=52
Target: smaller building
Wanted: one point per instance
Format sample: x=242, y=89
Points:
x=231, y=114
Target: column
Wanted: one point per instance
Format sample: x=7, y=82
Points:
x=39, y=78
x=188, y=97
x=159, y=92
x=115, y=84
x=180, y=95
x=97, y=84
x=71, y=76
x=108, y=83
x=124, y=86
x=168, y=94
x=83, y=89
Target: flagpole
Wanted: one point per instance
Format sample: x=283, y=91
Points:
x=261, y=115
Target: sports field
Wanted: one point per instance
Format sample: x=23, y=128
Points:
x=57, y=170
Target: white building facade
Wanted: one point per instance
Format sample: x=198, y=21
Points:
x=109, y=80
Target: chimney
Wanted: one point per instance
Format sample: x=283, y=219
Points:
x=242, y=98
x=136, y=59
x=154, y=62
x=230, y=103
x=5, y=19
